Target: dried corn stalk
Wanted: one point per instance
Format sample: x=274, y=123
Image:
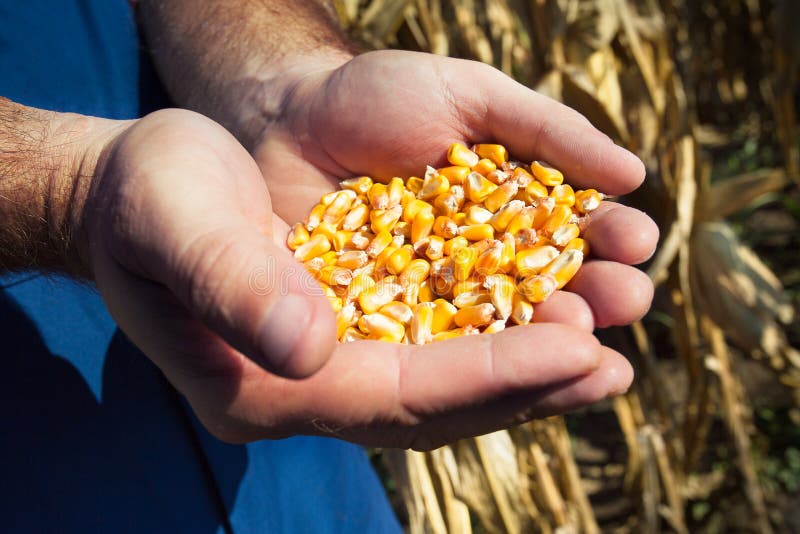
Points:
x=668, y=79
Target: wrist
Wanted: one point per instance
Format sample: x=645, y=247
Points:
x=48, y=161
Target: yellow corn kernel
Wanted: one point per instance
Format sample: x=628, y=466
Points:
x=383, y=257
x=402, y=228
x=497, y=153
x=455, y=174
x=327, y=229
x=399, y=260
x=546, y=174
x=339, y=206
x=334, y=300
x=471, y=298
x=384, y=219
x=414, y=208
x=315, y=246
x=426, y=293
x=360, y=240
x=315, y=217
x=521, y=310
x=433, y=185
x=537, y=287
x=477, y=214
x=501, y=290
x=523, y=178
x=564, y=267
x=477, y=187
x=445, y=227
x=523, y=219
x=500, y=196
x=411, y=295
x=379, y=326
x=421, y=326
x=478, y=315
x=563, y=194
x=399, y=311
x=495, y=327
x=460, y=155
x=374, y=298
x=379, y=243
x=378, y=197
x=498, y=177
x=342, y=240
x=297, y=236
x=356, y=218
x=422, y=225
x=485, y=166
x=560, y=216
x=345, y=318
x=527, y=238
x=449, y=334
x=503, y=216
x=335, y=276
x=476, y=232
x=395, y=191
x=452, y=245
x=327, y=198
x=435, y=248
x=464, y=260
x=443, y=314
x=564, y=234
x=416, y=271
x=314, y=265
x=360, y=185
x=489, y=260
x=587, y=200
x=414, y=184
x=360, y=283
x=352, y=259
x=578, y=244
x=352, y=334
x=459, y=218
x=473, y=283
x=442, y=278
x=329, y=258
x=536, y=190
x=448, y=203
x=508, y=258
x=533, y=260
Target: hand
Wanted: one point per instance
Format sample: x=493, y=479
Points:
x=391, y=113
x=177, y=222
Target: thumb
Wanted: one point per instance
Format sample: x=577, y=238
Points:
x=258, y=298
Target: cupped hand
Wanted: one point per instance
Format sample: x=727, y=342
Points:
x=391, y=113
x=189, y=256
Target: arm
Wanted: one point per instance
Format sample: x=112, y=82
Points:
x=237, y=61
x=47, y=160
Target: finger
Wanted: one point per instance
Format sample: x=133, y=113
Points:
x=617, y=294
x=621, y=233
x=566, y=308
x=533, y=126
x=201, y=226
x=613, y=376
x=408, y=385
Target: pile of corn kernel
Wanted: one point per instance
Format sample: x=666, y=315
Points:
x=468, y=249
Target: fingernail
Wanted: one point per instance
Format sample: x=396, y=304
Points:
x=287, y=322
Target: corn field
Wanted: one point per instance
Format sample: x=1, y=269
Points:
x=705, y=93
